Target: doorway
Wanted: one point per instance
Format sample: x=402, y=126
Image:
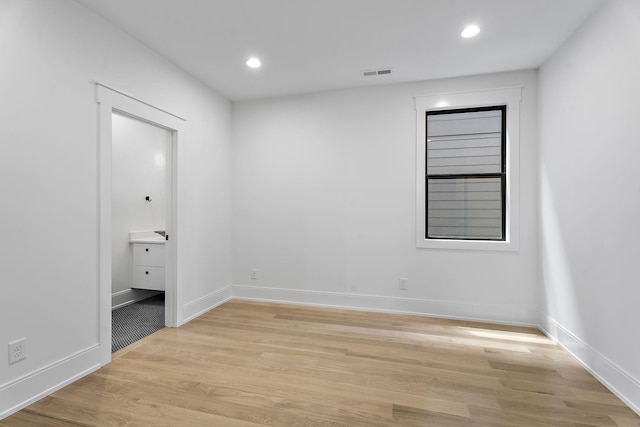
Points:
x=113, y=106
x=140, y=193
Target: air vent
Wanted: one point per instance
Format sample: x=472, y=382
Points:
x=381, y=72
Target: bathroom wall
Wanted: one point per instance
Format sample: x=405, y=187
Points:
x=138, y=170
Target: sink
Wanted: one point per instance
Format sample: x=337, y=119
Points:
x=156, y=237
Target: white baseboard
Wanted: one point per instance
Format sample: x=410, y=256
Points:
x=616, y=379
x=501, y=314
x=201, y=305
x=24, y=391
x=21, y=392
x=30, y=388
x=129, y=296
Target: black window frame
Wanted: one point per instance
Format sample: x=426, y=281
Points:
x=502, y=174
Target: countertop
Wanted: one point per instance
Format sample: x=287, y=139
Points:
x=148, y=237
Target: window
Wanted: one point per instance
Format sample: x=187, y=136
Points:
x=467, y=170
x=465, y=173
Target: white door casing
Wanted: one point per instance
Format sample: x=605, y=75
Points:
x=109, y=101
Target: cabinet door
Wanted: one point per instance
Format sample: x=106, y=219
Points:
x=145, y=277
x=148, y=254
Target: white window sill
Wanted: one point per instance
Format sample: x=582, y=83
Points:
x=479, y=245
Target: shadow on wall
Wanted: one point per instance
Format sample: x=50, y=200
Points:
x=559, y=300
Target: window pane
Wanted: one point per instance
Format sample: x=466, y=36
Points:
x=465, y=208
x=464, y=143
x=468, y=123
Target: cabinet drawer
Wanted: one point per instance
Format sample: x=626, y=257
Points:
x=148, y=254
x=145, y=277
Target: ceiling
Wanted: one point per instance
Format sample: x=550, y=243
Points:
x=312, y=45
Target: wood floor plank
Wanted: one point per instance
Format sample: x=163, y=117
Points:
x=261, y=364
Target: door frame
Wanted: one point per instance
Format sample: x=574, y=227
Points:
x=109, y=101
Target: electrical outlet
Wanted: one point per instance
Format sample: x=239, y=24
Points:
x=402, y=283
x=17, y=350
x=254, y=274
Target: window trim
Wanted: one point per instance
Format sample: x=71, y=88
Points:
x=509, y=97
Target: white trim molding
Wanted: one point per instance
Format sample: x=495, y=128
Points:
x=23, y=391
x=203, y=304
x=612, y=376
x=509, y=96
x=30, y=388
x=108, y=101
x=129, y=296
x=486, y=313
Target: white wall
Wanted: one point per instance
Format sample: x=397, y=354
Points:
x=323, y=195
x=49, y=53
x=590, y=196
x=324, y=207
x=138, y=167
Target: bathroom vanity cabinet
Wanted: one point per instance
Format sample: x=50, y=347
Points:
x=148, y=266
x=148, y=262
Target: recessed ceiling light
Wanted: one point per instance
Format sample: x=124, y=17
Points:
x=470, y=31
x=253, y=63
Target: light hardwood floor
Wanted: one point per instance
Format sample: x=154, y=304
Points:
x=256, y=364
